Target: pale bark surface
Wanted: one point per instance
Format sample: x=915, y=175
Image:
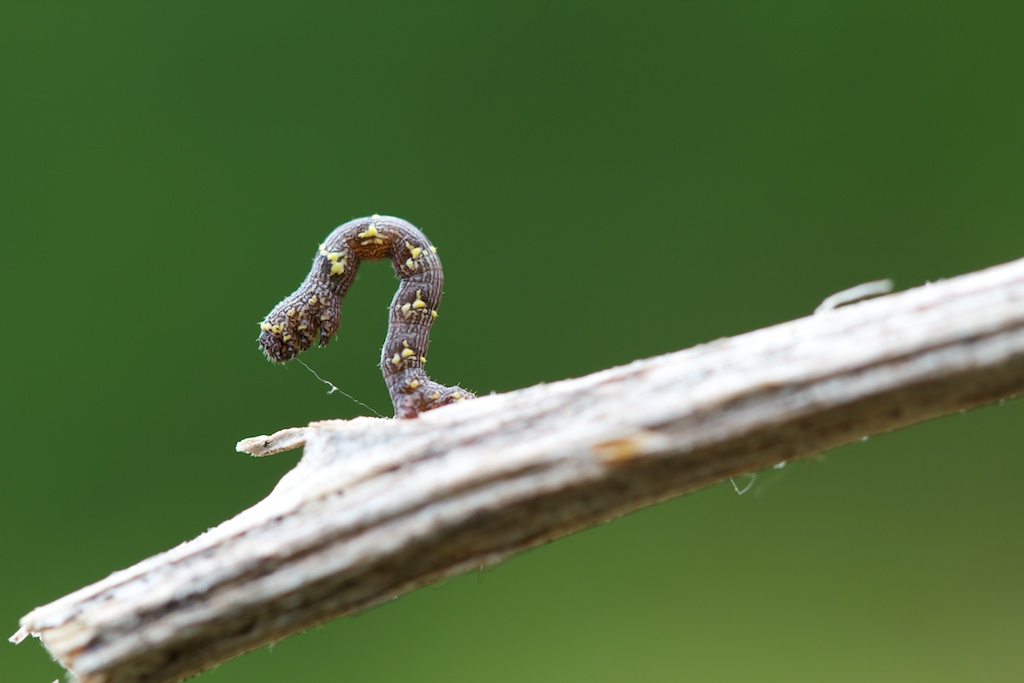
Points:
x=379, y=507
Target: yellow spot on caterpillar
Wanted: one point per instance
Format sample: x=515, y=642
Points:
x=325, y=316
x=286, y=337
x=406, y=308
x=303, y=326
x=334, y=256
x=276, y=329
x=433, y=314
x=436, y=395
x=396, y=360
x=415, y=251
x=322, y=247
x=456, y=396
x=337, y=268
x=369, y=232
x=410, y=264
x=419, y=303
x=433, y=249
x=423, y=359
x=408, y=352
x=414, y=384
x=265, y=326
x=291, y=312
x=312, y=300
x=375, y=216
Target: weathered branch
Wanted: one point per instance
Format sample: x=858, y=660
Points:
x=378, y=507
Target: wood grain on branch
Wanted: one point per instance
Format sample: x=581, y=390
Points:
x=379, y=507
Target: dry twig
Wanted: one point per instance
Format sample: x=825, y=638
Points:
x=379, y=507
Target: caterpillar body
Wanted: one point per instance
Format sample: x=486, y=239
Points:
x=313, y=311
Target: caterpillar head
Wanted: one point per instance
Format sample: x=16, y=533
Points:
x=296, y=322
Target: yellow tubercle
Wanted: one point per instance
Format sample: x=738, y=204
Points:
x=338, y=268
x=419, y=303
x=423, y=359
x=406, y=308
x=302, y=326
x=312, y=300
x=286, y=337
x=433, y=249
x=265, y=326
x=397, y=360
x=408, y=352
x=414, y=384
x=291, y=312
x=433, y=314
x=369, y=232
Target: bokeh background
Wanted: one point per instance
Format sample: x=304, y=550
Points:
x=605, y=181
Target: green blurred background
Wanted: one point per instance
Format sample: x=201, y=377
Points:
x=605, y=181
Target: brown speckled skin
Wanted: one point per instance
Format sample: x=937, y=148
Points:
x=315, y=307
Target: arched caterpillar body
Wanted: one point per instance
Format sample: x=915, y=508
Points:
x=315, y=307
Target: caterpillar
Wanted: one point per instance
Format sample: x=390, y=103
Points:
x=315, y=307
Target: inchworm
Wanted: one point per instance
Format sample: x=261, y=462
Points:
x=315, y=307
